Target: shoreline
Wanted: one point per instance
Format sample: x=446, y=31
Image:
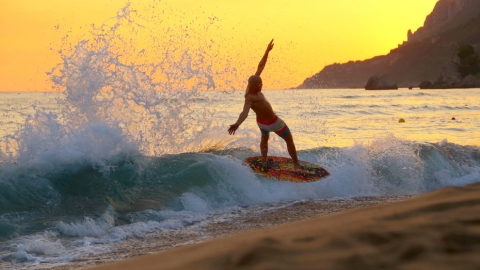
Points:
x=437, y=230
x=257, y=218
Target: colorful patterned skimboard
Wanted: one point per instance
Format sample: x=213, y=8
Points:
x=281, y=168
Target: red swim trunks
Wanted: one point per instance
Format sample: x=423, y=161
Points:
x=276, y=125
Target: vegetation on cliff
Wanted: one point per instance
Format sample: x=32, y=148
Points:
x=469, y=61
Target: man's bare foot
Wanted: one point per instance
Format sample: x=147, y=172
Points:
x=298, y=166
x=264, y=164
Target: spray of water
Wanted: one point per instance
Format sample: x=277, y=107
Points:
x=121, y=98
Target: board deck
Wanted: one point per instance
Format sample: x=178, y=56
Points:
x=281, y=168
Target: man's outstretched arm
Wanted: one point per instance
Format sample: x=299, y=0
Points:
x=243, y=115
x=263, y=62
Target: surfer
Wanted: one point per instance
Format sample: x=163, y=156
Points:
x=267, y=120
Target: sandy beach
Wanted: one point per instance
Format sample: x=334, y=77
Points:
x=438, y=230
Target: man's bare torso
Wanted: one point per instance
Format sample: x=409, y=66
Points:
x=261, y=106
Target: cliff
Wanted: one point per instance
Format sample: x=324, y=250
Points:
x=422, y=57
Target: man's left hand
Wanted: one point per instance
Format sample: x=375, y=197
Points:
x=232, y=129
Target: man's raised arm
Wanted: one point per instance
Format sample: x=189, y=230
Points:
x=263, y=62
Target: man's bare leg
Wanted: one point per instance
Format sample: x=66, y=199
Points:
x=292, y=150
x=264, y=148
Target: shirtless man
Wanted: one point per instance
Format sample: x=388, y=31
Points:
x=267, y=120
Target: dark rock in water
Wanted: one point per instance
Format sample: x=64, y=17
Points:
x=425, y=85
x=470, y=82
x=450, y=78
x=381, y=82
x=477, y=79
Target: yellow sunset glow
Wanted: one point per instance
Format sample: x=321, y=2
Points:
x=309, y=34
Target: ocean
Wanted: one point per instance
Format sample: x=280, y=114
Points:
x=75, y=185
x=129, y=152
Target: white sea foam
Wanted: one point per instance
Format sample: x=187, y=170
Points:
x=39, y=248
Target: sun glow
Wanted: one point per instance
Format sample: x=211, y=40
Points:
x=308, y=34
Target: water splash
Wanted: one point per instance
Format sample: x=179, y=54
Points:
x=123, y=98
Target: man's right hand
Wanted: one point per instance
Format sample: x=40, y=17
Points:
x=270, y=46
x=232, y=129
x=263, y=62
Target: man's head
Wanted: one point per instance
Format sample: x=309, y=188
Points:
x=255, y=84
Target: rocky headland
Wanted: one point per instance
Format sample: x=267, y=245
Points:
x=428, y=57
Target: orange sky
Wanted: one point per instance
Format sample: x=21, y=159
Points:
x=309, y=34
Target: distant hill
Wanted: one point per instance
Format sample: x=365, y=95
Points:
x=422, y=57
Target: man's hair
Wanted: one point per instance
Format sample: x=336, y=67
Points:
x=255, y=81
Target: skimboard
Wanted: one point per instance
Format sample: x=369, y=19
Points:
x=281, y=168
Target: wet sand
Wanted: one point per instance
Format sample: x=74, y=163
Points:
x=256, y=218
x=438, y=230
